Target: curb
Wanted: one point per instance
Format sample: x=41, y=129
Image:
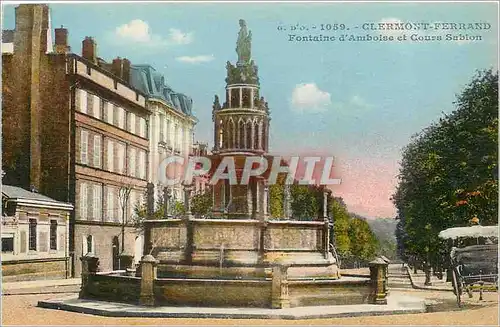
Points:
x=428, y=288
x=60, y=305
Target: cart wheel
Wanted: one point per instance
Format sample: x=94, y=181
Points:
x=469, y=292
x=457, y=289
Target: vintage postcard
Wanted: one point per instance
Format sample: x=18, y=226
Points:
x=249, y=162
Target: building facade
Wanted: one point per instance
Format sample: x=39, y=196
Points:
x=34, y=236
x=75, y=131
x=171, y=123
x=86, y=131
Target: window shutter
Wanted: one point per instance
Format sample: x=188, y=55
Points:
x=97, y=150
x=83, y=202
x=82, y=101
x=84, y=143
x=110, y=205
x=109, y=115
x=96, y=104
x=110, y=156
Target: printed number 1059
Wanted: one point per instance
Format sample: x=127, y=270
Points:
x=332, y=27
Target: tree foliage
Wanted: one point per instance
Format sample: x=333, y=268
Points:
x=448, y=172
x=202, y=203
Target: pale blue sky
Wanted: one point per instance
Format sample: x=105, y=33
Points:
x=371, y=96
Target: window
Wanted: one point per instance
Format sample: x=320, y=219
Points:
x=121, y=117
x=109, y=113
x=84, y=144
x=8, y=243
x=97, y=202
x=32, y=235
x=82, y=100
x=180, y=139
x=162, y=128
x=110, y=156
x=83, y=202
x=90, y=244
x=53, y=234
x=97, y=151
x=131, y=122
x=169, y=137
x=121, y=158
x=142, y=127
x=131, y=163
x=110, y=207
x=96, y=107
x=142, y=165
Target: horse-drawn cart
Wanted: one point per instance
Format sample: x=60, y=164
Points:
x=474, y=259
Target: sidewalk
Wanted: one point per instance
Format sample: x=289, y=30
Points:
x=417, y=281
x=42, y=286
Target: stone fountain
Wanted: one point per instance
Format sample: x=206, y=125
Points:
x=239, y=257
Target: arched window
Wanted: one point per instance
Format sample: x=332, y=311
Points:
x=221, y=136
x=256, y=135
x=260, y=134
x=264, y=136
x=241, y=134
x=248, y=143
x=230, y=133
x=227, y=135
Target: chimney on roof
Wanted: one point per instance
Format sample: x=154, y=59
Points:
x=121, y=68
x=61, y=44
x=126, y=70
x=89, y=49
x=117, y=67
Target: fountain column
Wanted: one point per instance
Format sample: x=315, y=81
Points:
x=187, y=200
x=166, y=200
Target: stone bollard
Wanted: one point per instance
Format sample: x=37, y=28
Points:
x=90, y=264
x=279, y=292
x=378, y=270
x=148, y=276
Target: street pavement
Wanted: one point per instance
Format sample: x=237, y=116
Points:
x=42, y=286
x=21, y=308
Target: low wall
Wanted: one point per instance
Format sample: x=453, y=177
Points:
x=37, y=269
x=344, y=291
x=112, y=288
x=213, y=293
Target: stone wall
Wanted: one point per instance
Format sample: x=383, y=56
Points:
x=34, y=269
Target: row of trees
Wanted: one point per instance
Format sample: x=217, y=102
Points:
x=449, y=172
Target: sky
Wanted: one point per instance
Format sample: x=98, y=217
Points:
x=357, y=101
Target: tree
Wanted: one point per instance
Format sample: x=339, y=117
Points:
x=364, y=244
x=202, y=203
x=449, y=171
x=123, y=199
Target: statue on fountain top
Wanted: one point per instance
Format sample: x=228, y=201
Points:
x=244, y=44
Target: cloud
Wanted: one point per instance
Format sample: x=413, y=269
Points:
x=176, y=36
x=136, y=30
x=307, y=97
x=139, y=31
x=195, y=59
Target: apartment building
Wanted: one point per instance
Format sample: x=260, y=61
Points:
x=171, y=122
x=74, y=129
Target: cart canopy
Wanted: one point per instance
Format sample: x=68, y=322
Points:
x=473, y=231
